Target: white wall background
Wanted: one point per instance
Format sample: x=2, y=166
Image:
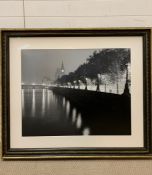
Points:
x=75, y=13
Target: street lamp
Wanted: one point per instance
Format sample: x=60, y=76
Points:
x=126, y=89
x=74, y=82
x=98, y=82
x=68, y=84
x=86, y=83
x=79, y=84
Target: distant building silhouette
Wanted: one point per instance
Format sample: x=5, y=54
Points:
x=60, y=71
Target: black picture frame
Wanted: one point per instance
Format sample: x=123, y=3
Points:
x=74, y=152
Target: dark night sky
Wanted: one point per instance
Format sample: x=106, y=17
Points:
x=37, y=64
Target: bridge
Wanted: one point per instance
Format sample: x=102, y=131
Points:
x=35, y=86
x=112, y=89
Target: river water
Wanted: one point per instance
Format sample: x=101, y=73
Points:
x=47, y=114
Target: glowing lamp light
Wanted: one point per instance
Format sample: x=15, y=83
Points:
x=99, y=75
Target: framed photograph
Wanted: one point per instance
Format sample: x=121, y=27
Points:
x=76, y=93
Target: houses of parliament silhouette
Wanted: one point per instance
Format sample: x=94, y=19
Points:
x=60, y=71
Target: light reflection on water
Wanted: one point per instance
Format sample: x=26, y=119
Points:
x=63, y=102
x=76, y=117
x=67, y=108
x=79, y=121
x=33, y=103
x=74, y=113
x=47, y=114
x=48, y=98
x=38, y=103
x=43, y=101
x=86, y=131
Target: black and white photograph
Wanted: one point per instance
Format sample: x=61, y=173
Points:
x=71, y=92
x=76, y=94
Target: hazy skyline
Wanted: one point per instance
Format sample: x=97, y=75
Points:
x=40, y=63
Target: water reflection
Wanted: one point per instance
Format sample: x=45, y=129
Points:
x=67, y=108
x=79, y=121
x=86, y=131
x=48, y=99
x=45, y=113
x=48, y=114
x=63, y=102
x=33, y=103
x=43, y=101
x=74, y=113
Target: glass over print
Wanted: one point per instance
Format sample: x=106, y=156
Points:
x=78, y=93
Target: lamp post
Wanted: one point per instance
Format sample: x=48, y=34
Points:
x=105, y=88
x=98, y=82
x=78, y=82
x=126, y=89
x=117, y=88
x=86, y=88
x=74, y=82
x=70, y=84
